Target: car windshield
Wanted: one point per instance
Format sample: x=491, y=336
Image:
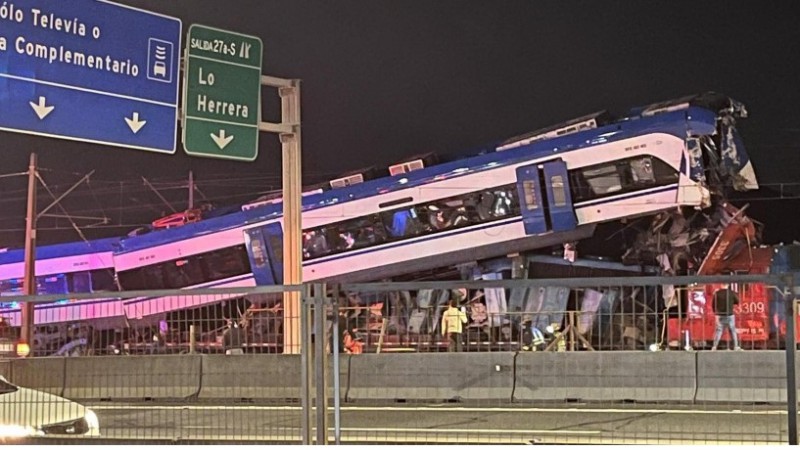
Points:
x=6, y=388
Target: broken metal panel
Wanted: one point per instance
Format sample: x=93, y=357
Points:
x=516, y=300
x=495, y=298
x=695, y=151
x=550, y=303
x=735, y=160
x=738, y=234
x=705, y=242
x=589, y=306
x=605, y=313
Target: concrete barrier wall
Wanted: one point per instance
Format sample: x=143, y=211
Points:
x=726, y=376
x=133, y=378
x=258, y=377
x=5, y=369
x=605, y=376
x=236, y=377
x=42, y=374
x=686, y=377
x=432, y=377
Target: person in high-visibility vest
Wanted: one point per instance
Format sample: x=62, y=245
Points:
x=453, y=321
x=352, y=343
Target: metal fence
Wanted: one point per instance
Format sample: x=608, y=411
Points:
x=542, y=361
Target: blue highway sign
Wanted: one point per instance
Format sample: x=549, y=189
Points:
x=90, y=70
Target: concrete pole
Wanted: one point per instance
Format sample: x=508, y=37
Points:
x=292, y=208
x=29, y=282
x=191, y=190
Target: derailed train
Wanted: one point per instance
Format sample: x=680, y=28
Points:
x=548, y=187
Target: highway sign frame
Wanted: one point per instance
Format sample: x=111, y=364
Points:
x=94, y=81
x=204, y=133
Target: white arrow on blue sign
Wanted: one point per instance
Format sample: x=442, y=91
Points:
x=90, y=70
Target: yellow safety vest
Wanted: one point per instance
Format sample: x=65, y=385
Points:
x=452, y=321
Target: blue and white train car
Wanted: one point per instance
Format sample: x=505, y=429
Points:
x=206, y=254
x=545, y=188
x=79, y=267
x=548, y=187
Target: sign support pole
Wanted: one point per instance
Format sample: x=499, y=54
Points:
x=29, y=282
x=292, y=238
x=289, y=133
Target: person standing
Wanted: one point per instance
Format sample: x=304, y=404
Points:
x=453, y=321
x=724, y=301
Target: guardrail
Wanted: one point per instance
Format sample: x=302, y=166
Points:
x=504, y=377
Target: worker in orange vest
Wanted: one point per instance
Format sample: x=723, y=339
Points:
x=352, y=343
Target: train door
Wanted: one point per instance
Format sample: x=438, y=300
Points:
x=553, y=211
x=265, y=249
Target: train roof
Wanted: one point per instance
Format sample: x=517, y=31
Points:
x=200, y=228
x=712, y=101
x=62, y=250
x=691, y=119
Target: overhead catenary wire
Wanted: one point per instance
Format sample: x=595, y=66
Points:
x=9, y=175
x=136, y=203
x=61, y=207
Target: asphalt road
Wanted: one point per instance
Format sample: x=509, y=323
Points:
x=451, y=424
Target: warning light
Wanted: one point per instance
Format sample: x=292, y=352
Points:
x=23, y=349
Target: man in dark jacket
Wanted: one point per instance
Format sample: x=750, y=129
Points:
x=724, y=301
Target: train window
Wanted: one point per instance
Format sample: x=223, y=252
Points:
x=315, y=243
x=531, y=202
x=133, y=280
x=259, y=252
x=79, y=282
x=190, y=271
x=154, y=277
x=559, y=193
x=276, y=244
x=52, y=284
x=226, y=263
x=603, y=180
x=402, y=223
x=103, y=280
x=183, y=272
x=11, y=287
x=642, y=170
x=622, y=176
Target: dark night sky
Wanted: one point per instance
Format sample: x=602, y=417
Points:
x=383, y=80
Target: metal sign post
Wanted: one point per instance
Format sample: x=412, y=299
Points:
x=791, y=357
x=320, y=360
x=289, y=133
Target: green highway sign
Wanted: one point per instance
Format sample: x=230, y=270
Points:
x=221, y=94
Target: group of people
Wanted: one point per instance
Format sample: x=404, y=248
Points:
x=454, y=319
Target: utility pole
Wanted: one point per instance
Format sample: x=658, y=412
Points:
x=29, y=282
x=191, y=190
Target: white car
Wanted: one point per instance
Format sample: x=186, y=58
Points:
x=29, y=413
